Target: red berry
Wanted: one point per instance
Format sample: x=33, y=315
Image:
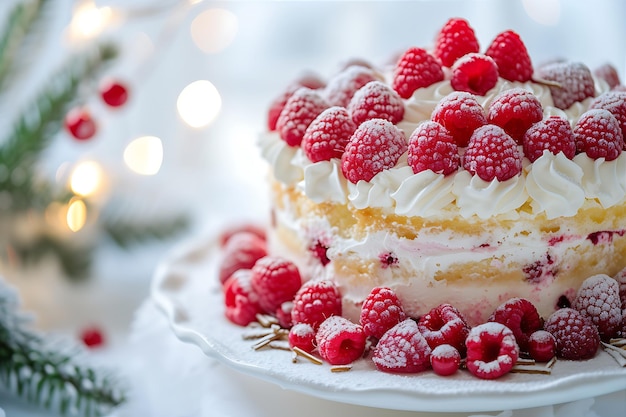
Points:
x=402, y=349
x=113, y=92
x=576, y=336
x=311, y=81
x=432, y=147
x=461, y=114
x=376, y=145
x=492, y=154
x=515, y=110
x=240, y=300
x=455, y=39
x=283, y=315
x=598, y=299
x=553, y=134
x=510, y=54
x=444, y=325
x=301, y=109
x=597, y=133
x=80, y=124
x=415, y=69
x=381, y=311
x=620, y=277
x=575, y=82
x=327, y=136
x=302, y=335
x=615, y=102
x=339, y=341
x=342, y=87
x=92, y=337
x=474, y=73
x=241, y=251
x=275, y=280
x=541, y=346
x=315, y=301
x=376, y=101
x=521, y=316
x=608, y=73
x=491, y=350
x=445, y=360
x=231, y=231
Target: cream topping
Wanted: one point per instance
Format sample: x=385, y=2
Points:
x=604, y=180
x=323, y=181
x=423, y=194
x=281, y=157
x=377, y=192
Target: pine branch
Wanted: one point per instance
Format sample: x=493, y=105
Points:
x=126, y=233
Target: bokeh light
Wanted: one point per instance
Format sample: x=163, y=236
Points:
x=88, y=20
x=214, y=29
x=545, y=12
x=144, y=155
x=86, y=178
x=76, y=215
x=199, y=103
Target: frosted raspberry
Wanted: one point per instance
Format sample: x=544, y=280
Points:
x=402, y=349
x=574, y=79
x=491, y=350
x=381, y=311
x=615, y=102
x=283, y=315
x=315, y=301
x=415, y=69
x=339, y=341
x=554, y=134
x=302, y=335
x=235, y=229
x=511, y=56
x=455, y=39
x=432, y=147
x=301, y=109
x=492, y=154
x=376, y=145
x=620, y=277
x=608, y=73
x=327, y=135
x=376, y=101
x=515, y=110
x=240, y=300
x=241, y=251
x=542, y=346
x=445, y=360
x=277, y=105
x=597, y=133
x=521, y=316
x=474, y=73
x=342, y=87
x=444, y=325
x=576, y=336
x=461, y=114
x=598, y=299
x=275, y=280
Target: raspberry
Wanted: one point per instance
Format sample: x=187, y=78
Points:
x=574, y=79
x=275, y=280
x=402, y=349
x=444, y=325
x=491, y=350
x=302, y=335
x=576, y=337
x=376, y=145
x=541, y=346
x=515, y=110
x=445, y=360
x=381, y=311
x=415, y=69
x=511, y=56
x=339, y=341
x=327, y=136
x=455, y=39
x=319, y=250
x=240, y=300
x=461, y=114
x=301, y=109
x=620, y=277
x=376, y=101
x=311, y=81
x=315, y=302
x=553, y=134
x=615, y=102
x=241, y=251
x=432, y=147
x=492, y=154
x=598, y=299
x=231, y=231
x=283, y=314
x=474, y=73
x=597, y=133
x=521, y=316
x=608, y=73
x=342, y=87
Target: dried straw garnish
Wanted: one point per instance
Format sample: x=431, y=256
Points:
x=616, y=348
x=307, y=355
x=529, y=366
x=340, y=368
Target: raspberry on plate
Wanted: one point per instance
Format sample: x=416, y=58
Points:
x=402, y=349
x=315, y=301
x=432, y=147
x=615, y=102
x=598, y=134
x=444, y=325
x=376, y=145
x=275, y=280
x=492, y=154
x=542, y=346
x=461, y=114
x=445, y=360
x=241, y=251
x=381, y=311
x=342, y=87
x=511, y=56
x=339, y=341
x=237, y=228
x=576, y=336
x=598, y=299
x=515, y=110
x=575, y=82
x=415, y=69
x=554, y=134
x=375, y=100
x=302, y=335
x=474, y=73
x=301, y=109
x=327, y=135
x=521, y=316
x=491, y=350
x=240, y=300
x=455, y=39
x=620, y=277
